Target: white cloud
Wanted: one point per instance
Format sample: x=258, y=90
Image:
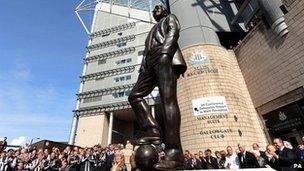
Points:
x=20, y=72
x=23, y=74
x=19, y=141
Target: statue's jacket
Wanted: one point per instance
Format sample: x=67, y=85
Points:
x=162, y=39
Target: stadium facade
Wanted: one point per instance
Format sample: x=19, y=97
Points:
x=111, y=65
x=244, y=82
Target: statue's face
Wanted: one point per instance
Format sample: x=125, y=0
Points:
x=159, y=12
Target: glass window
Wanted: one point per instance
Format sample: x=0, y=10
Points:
x=116, y=79
x=122, y=78
x=115, y=95
x=92, y=99
x=122, y=44
x=127, y=93
x=103, y=61
x=140, y=53
x=100, y=78
x=121, y=94
x=118, y=95
x=123, y=61
x=105, y=35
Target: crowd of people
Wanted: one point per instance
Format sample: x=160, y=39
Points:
x=278, y=156
x=69, y=159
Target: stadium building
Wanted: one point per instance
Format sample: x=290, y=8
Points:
x=244, y=82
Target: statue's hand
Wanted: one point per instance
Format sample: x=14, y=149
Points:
x=165, y=55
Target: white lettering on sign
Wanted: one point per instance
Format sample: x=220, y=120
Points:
x=209, y=105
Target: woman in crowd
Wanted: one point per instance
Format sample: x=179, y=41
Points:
x=222, y=160
x=119, y=163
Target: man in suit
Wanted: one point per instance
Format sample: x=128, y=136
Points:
x=161, y=66
x=3, y=144
x=247, y=159
x=110, y=155
x=285, y=157
x=211, y=162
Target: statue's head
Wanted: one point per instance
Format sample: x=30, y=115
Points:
x=159, y=12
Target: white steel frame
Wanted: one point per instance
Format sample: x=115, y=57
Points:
x=91, y=6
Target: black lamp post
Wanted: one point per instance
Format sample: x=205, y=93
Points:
x=168, y=6
x=33, y=140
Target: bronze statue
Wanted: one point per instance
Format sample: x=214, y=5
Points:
x=162, y=64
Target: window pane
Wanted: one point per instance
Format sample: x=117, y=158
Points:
x=140, y=53
x=103, y=61
x=127, y=93
x=104, y=35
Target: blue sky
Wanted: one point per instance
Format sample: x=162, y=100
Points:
x=42, y=45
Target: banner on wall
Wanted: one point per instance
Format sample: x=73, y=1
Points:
x=209, y=105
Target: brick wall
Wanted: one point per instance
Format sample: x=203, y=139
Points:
x=273, y=66
x=227, y=82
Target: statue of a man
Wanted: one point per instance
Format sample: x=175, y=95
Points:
x=162, y=64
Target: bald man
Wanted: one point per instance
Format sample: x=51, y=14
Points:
x=246, y=158
x=285, y=157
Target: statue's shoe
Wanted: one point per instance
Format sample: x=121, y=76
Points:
x=168, y=165
x=150, y=136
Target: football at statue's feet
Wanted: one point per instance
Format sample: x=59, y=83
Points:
x=145, y=157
